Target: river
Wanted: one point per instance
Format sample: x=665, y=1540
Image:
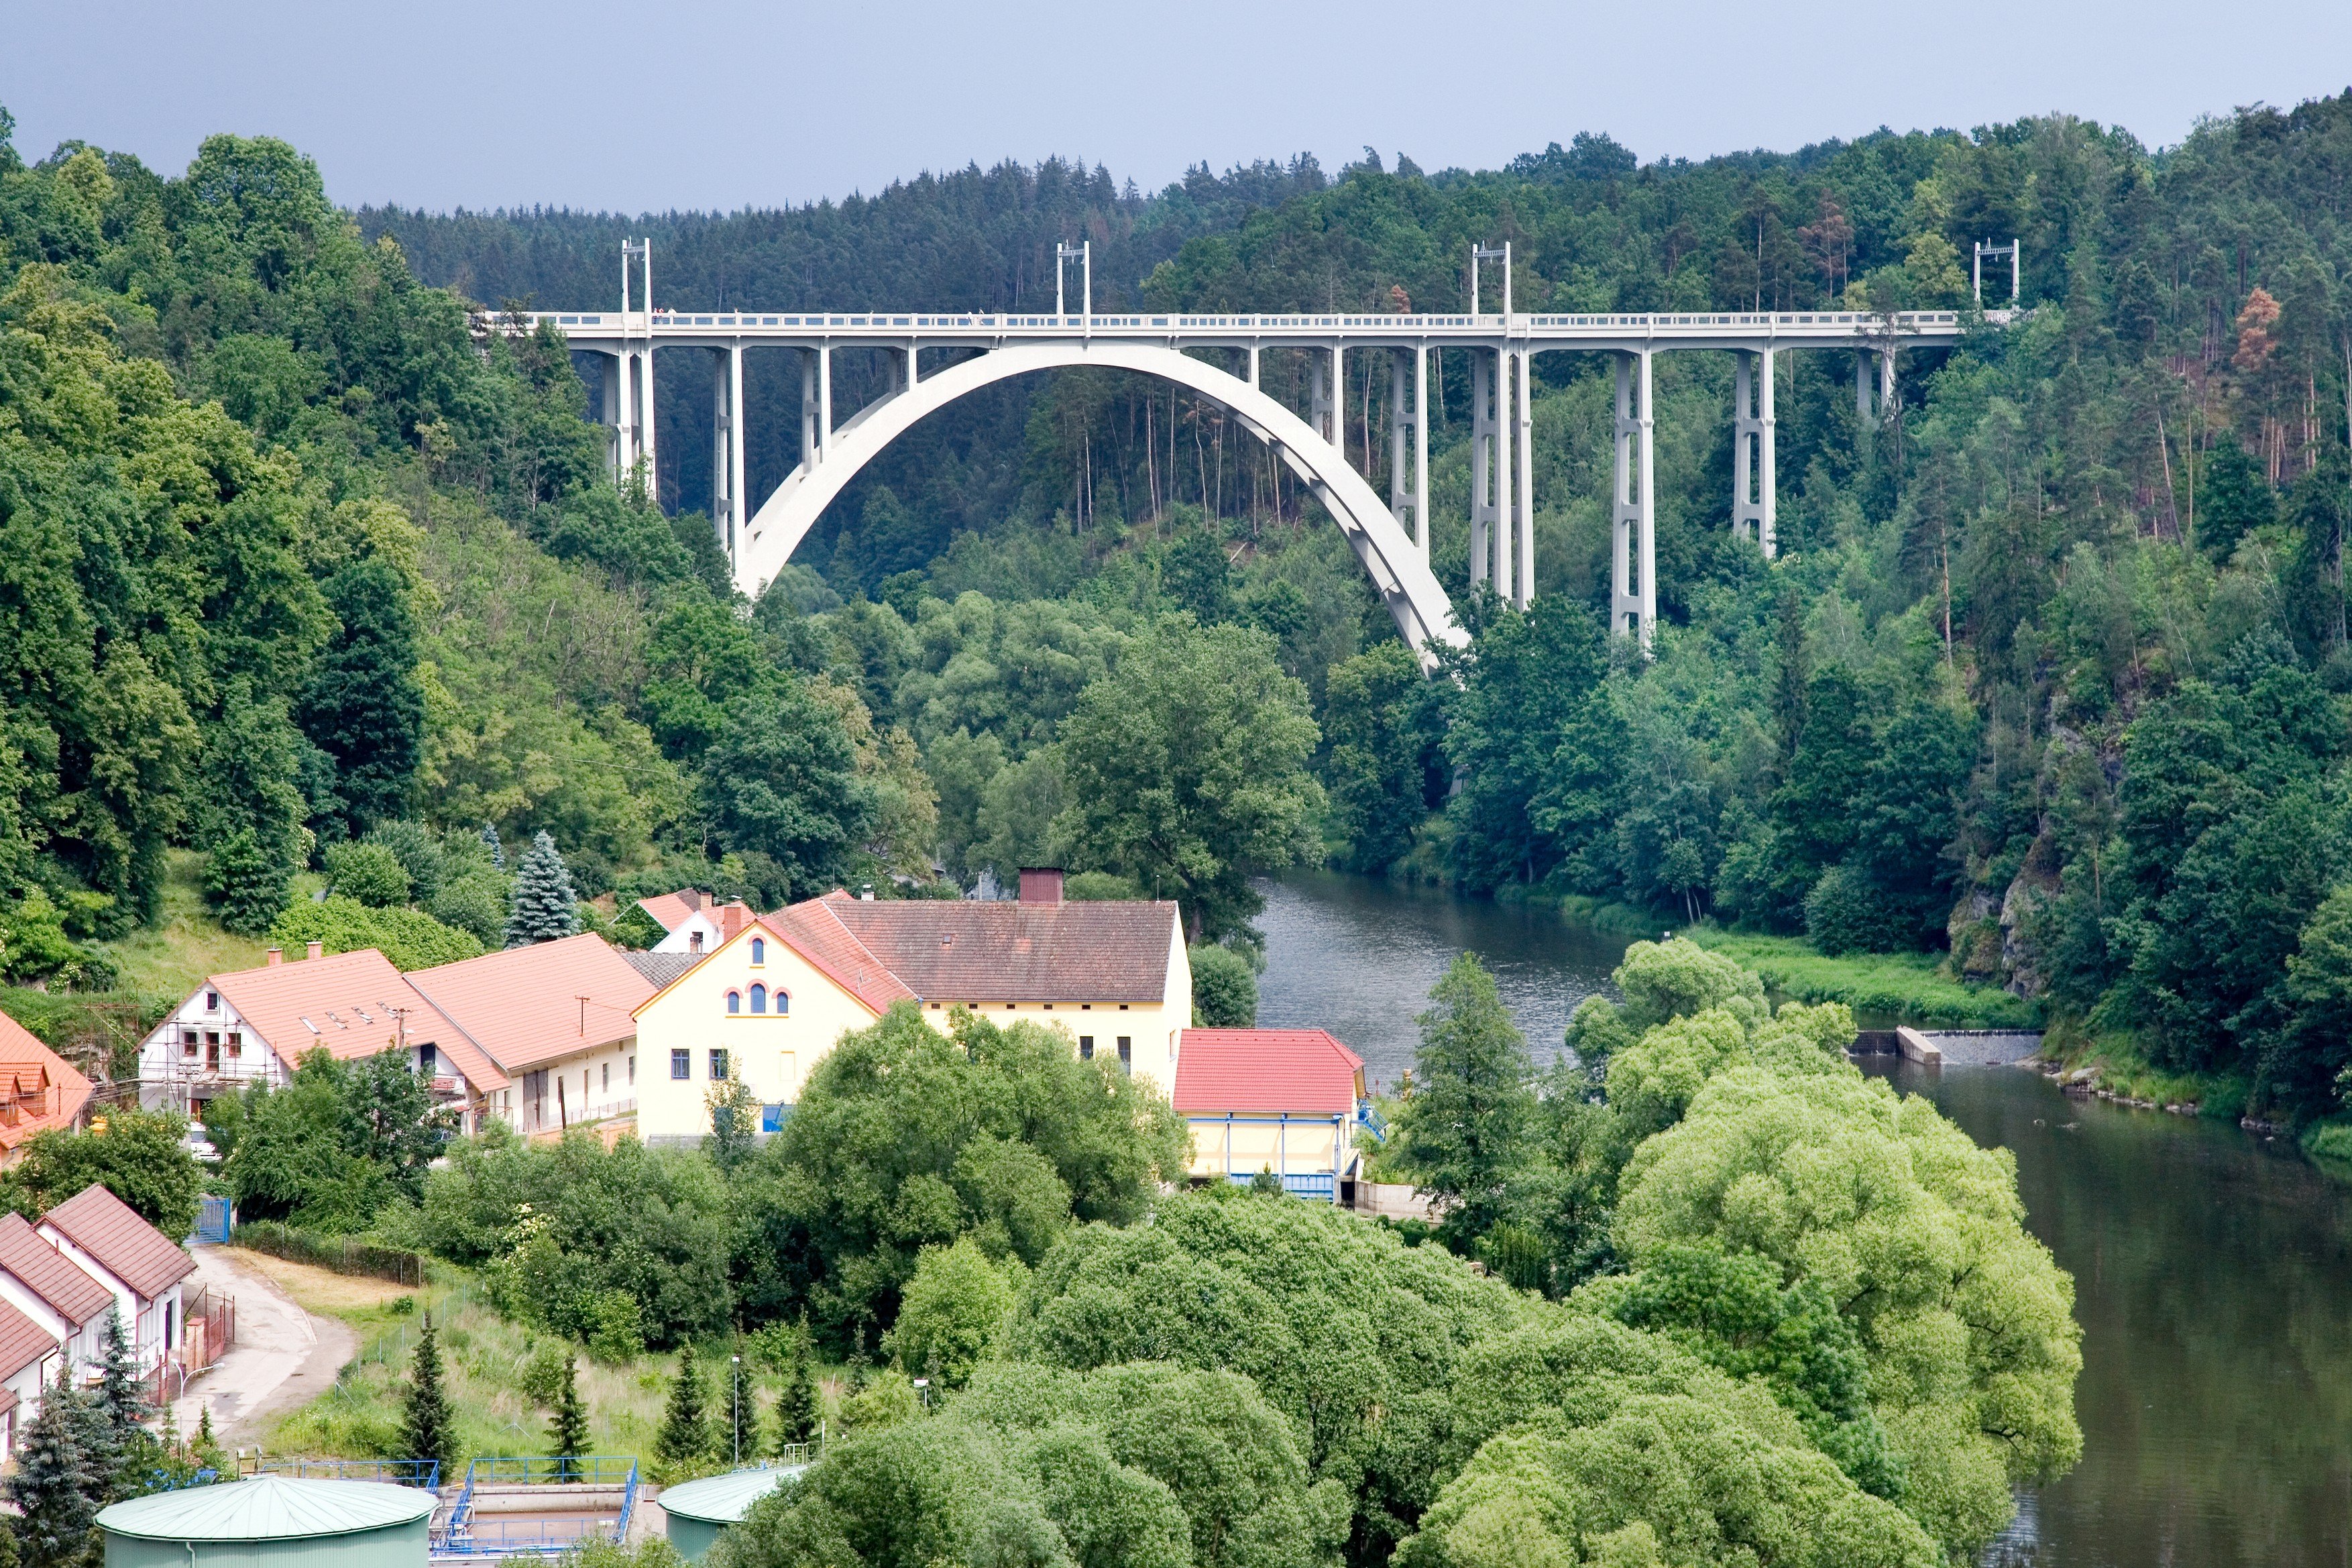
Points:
x=2212, y=1272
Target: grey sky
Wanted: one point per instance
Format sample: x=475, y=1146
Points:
x=728, y=103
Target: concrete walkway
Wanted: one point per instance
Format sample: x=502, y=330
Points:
x=283, y=1355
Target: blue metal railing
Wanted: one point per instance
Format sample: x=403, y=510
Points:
x=214, y=1222
x=532, y=1470
x=466, y=1536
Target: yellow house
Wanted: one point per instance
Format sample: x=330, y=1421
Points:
x=769, y=1001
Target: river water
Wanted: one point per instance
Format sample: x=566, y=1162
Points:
x=2212, y=1271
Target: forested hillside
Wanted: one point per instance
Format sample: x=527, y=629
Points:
x=2050, y=672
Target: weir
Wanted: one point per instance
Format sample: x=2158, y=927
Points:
x=1390, y=536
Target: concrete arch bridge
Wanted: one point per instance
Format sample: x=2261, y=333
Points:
x=1390, y=535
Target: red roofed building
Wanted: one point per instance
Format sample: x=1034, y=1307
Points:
x=40, y=1282
x=39, y=1089
x=257, y=1025
x=1283, y=1100
x=772, y=999
x=695, y=922
x=106, y=1240
x=558, y=1018
x=29, y=1358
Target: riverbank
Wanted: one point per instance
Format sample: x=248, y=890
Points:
x=1906, y=987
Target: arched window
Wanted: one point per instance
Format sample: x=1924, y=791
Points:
x=759, y=998
x=734, y=1002
x=759, y=953
x=784, y=1001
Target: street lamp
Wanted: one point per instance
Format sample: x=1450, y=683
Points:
x=735, y=1413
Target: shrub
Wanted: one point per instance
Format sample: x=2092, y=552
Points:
x=411, y=939
x=950, y=1310
x=1225, y=989
x=245, y=884
x=1845, y=913
x=369, y=873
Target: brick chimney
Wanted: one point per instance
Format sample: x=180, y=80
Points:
x=276, y=956
x=314, y=949
x=1041, y=884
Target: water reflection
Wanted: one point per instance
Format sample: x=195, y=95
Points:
x=1358, y=956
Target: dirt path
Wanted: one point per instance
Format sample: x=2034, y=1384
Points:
x=283, y=1355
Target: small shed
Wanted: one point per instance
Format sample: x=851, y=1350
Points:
x=271, y=1522
x=700, y=1511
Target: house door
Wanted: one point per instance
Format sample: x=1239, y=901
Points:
x=534, y=1100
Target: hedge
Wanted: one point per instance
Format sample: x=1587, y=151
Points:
x=339, y=1253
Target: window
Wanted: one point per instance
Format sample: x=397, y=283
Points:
x=427, y=1059
x=633, y=1069
x=212, y=1000
x=236, y=1042
x=681, y=1062
x=734, y=1002
x=759, y=953
x=719, y=1065
x=607, y=1070
x=1085, y=1047
x=1126, y=1054
x=694, y=941
x=758, y=997
x=187, y=1042
x=784, y=1001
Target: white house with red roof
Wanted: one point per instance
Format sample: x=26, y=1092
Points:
x=142, y=1267
x=257, y=1025
x=41, y=1282
x=29, y=1358
x=695, y=921
x=39, y=1089
x=558, y=1019
x=768, y=1003
x=1284, y=1101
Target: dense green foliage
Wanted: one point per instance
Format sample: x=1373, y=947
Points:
x=328, y=1150
x=137, y=1157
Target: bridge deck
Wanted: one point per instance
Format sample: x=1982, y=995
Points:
x=1824, y=329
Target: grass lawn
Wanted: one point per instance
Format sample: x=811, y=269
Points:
x=185, y=943
x=483, y=1360
x=1906, y=986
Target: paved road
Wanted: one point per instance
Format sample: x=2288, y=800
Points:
x=283, y=1355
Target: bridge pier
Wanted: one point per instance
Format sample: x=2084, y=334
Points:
x=726, y=446
x=1633, y=549
x=1411, y=501
x=1754, y=498
x=1482, y=467
x=1524, y=503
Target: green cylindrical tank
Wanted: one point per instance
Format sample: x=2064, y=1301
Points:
x=271, y=1522
x=700, y=1512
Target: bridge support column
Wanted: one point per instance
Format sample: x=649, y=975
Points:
x=1633, y=554
x=723, y=410
x=1253, y=364
x=1888, y=399
x=1482, y=466
x=1524, y=579
x=1506, y=511
x=912, y=374
x=1754, y=501
x=645, y=409
x=824, y=402
x=1421, y=452
x=1318, y=396
x=615, y=419
x=1861, y=385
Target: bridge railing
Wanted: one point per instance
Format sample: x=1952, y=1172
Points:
x=1176, y=321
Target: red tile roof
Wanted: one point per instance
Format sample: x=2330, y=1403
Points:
x=669, y=910
x=1303, y=1071
x=355, y=1005
x=111, y=1231
x=70, y=1293
x=523, y=1005
x=814, y=930
x=999, y=950
x=22, y=1341
x=38, y=1088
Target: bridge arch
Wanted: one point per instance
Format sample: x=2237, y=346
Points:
x=1400, y=574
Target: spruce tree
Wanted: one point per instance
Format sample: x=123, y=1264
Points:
x=117, y=1436
x=684, y=1434
x=424, y=1427
x=53, y=1487
x=498, y=850
x=567, y=1428
x=800, y=1404
x=544, y=907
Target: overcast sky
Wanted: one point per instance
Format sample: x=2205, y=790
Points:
x=730, y=103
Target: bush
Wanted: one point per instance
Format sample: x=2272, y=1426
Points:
x=411, y=939
x=369, y=873
x=338, y=1254
x=1225, y=989
x=138, y=1159
x=475, y=904
x=1845, y=913
x=245, y=885
x=950, y=1312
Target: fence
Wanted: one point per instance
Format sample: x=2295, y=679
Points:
x=211, y=1328
x=340, y=1254
x=214, y=1221
x=423, y=1474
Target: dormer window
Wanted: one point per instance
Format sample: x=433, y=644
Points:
x=212, y=1000
x=734, y=1001
x=759, y=998
x=759, y=956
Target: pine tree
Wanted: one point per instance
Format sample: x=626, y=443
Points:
x=684, y=1434
x=53, y=1487
x=800, y=1404
x=567, y=1429
x=116, y=1432
x=544, y=907
x=498, y=850
x=743, y=1414
x=424, y=1428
